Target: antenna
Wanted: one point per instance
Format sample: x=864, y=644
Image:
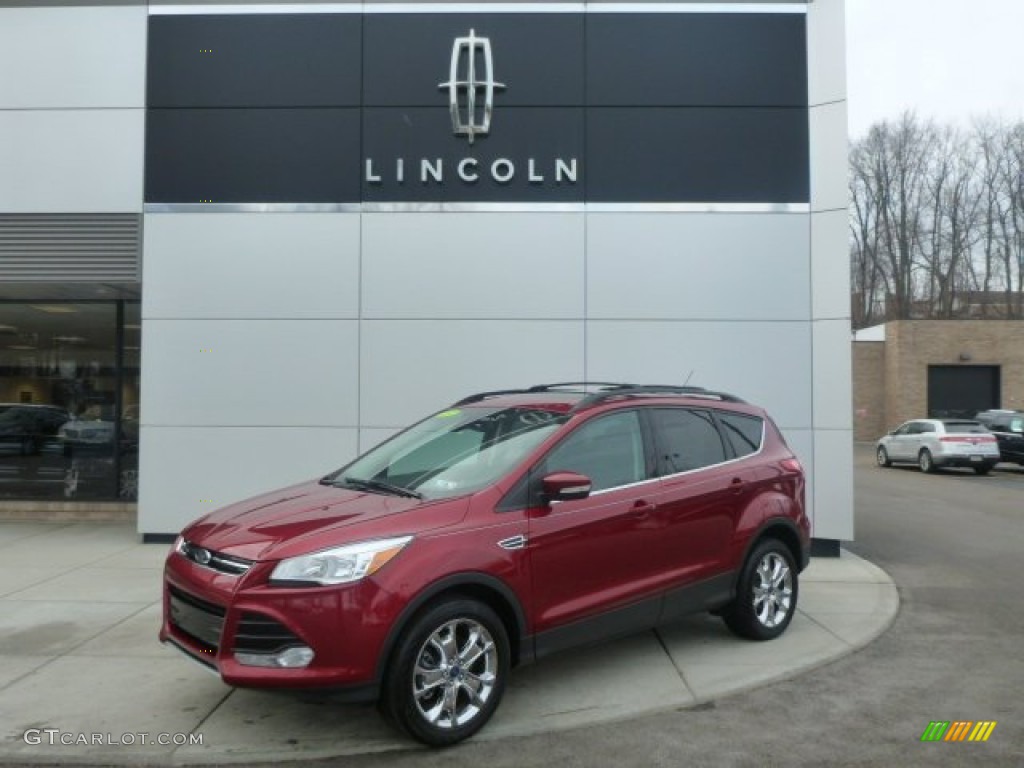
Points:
x=685, y=383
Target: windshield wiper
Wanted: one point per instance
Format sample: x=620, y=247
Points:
x=380, y=486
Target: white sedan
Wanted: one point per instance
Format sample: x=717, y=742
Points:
x=936, y=443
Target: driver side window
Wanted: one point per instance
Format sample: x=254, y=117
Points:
x=609, y=450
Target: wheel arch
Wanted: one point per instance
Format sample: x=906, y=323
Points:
x=785, y=531
x=480, y=586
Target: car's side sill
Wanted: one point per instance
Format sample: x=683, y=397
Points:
x=705, y=595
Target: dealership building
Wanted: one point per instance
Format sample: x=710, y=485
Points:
x=241, y=243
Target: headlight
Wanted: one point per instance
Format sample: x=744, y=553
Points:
x=339, y=566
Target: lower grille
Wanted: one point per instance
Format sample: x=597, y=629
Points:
x=262, y=634
x=194, y=617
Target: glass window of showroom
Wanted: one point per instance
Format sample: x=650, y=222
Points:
x=69, y=400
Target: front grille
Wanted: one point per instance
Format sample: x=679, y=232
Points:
x=261, y=634
x=196, y=618
x=217, y=561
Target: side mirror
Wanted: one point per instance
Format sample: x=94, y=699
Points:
x=565, y=486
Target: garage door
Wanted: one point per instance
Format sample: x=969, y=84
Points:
x=960, y=391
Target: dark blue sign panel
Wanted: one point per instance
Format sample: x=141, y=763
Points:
x=531, y=107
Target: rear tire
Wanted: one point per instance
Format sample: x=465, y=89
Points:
x=448, y=672
x=983, y=470
x=882, y=457
x=766, y=594
x=926, y=462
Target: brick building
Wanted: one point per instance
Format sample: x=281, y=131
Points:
x=909, y=369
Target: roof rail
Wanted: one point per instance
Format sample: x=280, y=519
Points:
x=607, y=390
x=541, y=388
x=655, y=389
x=562, y=384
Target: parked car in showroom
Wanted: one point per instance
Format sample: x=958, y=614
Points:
x=25, y=428
x=504, y=528
x=99, y=428
x=936, y=443
x=1008, y=427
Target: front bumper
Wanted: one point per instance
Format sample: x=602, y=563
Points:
x=213, y=616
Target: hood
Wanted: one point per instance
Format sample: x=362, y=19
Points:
x=309, y=517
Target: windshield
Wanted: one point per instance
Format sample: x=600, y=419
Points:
x=453, y=452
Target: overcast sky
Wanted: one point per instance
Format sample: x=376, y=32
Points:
x=948, y=59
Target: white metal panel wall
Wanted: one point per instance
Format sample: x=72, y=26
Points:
x=72, y=108
x=473, y=265
x=658, y=266
x=268, y=373
x=73, y=57
x=246, y=265
x=188, y=471
x=250, y=357
x=832, y=491
x=71, y=161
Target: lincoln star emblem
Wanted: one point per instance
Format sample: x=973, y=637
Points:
x=471, y=95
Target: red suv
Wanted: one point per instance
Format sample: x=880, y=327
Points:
x=512, y=525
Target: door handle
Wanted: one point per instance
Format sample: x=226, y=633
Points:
x=641, y=509
x=736, y=485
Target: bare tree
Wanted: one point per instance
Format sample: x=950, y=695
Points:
x=988, y=139
x=951, y=229
x=1012, y=222
x=937, y=221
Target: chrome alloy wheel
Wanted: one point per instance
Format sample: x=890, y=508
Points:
x=455, y=673
x=773, y=591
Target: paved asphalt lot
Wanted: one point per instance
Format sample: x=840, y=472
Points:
x=954, y=543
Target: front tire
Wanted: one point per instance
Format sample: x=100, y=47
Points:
x=926, y=462
x=448, y=672
x=766, y=595
x=882, y=457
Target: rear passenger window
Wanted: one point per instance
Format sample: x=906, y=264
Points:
x=688, y=439
x=744, y=433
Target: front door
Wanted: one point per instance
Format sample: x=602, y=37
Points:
x=903, y=445
x=592, y=576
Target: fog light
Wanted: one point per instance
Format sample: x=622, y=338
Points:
x=289, y=658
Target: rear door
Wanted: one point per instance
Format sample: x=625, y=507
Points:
x=928, y=436
x=703, y=489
